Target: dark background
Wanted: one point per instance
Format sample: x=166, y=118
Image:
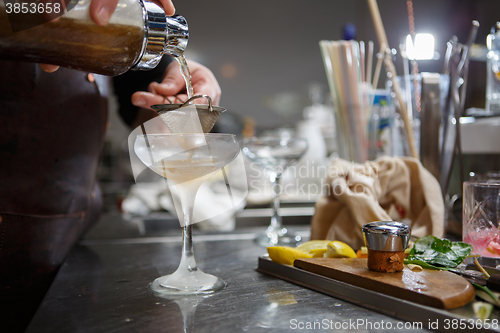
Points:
x=265, y=54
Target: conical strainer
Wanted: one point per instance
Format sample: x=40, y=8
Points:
x=189, y=118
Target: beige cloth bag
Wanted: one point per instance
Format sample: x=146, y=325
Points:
x=389, y=188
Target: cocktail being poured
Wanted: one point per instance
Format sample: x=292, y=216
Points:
x=188, y=156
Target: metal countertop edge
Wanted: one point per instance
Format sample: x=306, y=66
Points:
x=177, y=239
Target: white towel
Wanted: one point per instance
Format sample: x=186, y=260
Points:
x=389, y=188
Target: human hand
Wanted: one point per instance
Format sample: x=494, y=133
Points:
x=100, y=12
x=49, y=68
x=173, y=87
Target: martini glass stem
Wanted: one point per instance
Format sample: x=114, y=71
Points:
x=187, y=202
x=187, y=257
x=276, y=217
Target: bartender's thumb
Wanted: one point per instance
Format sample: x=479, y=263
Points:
x=100, y=10
x=172, y=84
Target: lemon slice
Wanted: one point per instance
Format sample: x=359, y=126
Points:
x=338, y=249
x=285, y=255
x=309, y=247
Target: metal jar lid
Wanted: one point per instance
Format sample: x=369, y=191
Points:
x=386, y=236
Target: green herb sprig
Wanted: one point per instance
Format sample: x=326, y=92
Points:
x=433, y=253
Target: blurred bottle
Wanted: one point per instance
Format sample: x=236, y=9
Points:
x=136, y=36
x=380, y=126
x=248, y=130
x=318, y=122
x=493, y=71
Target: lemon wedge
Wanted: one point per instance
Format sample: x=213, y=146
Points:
x=338, y=249
x=311, y=246
x=286, y=255
x=318, y=253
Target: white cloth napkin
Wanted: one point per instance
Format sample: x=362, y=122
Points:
x=389, y=188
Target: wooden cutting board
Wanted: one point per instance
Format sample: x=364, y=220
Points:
x=440, y=289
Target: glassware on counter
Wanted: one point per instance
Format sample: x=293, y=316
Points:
x=187, y=160
x=274, y=155
x=481, y=216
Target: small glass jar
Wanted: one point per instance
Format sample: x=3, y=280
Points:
x=386, y=242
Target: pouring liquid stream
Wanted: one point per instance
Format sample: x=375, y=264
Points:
x=185, y=74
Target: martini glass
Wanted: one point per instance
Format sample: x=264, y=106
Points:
x=274, y=155
x=187, y=160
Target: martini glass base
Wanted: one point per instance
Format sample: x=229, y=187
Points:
x=193, y=283
x=278, y=237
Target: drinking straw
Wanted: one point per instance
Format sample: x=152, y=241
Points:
x=359, y=98
x=362, y=59
x=406, y=75
x=378, y=66
x=344, y=84
x=351, y=70
x=382, y=37
x=369, y=62
x=327, y=61
x=331, y=59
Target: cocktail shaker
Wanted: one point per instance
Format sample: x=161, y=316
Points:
x=136, y=36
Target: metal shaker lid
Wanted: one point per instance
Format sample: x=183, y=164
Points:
x=162, y=35
x=386, y=236
x=177, y=35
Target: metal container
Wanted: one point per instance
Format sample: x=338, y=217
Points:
x=386, y=242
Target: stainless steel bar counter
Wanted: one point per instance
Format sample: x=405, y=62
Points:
x=103, y=286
